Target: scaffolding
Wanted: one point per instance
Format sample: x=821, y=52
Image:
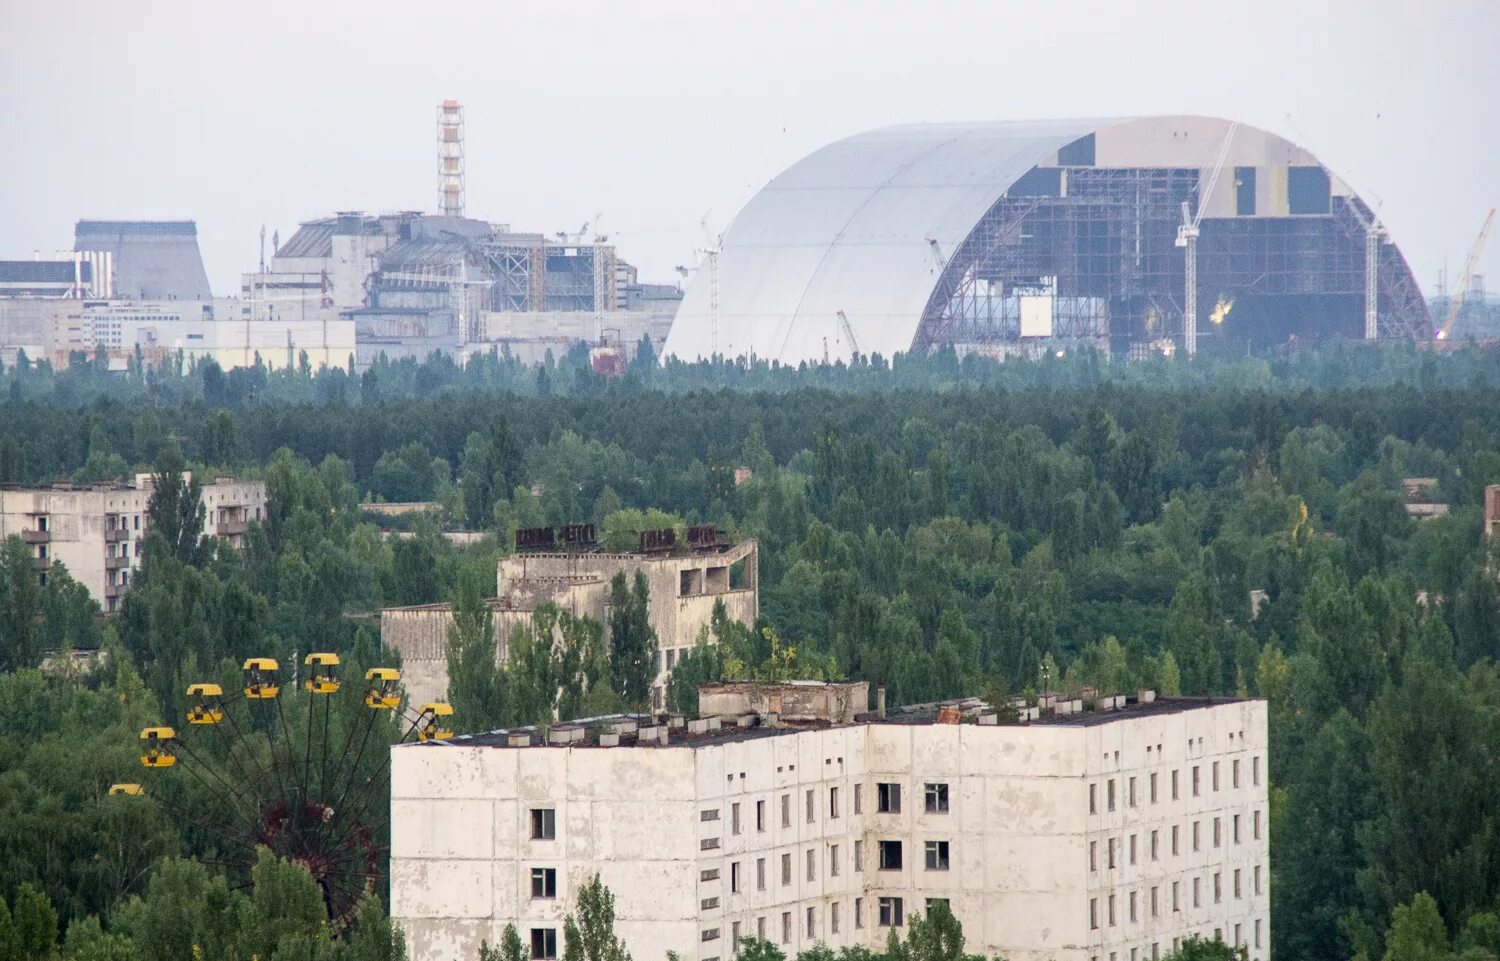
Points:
x=1088, y=255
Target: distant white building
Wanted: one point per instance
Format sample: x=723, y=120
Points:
x=1101, y=835
x=96, y=531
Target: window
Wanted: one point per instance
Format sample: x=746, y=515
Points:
x=786, y=927
x=1234, y=833
x=760, y=815
x=760, y=874
x=890, y=855
x=1255, y=773
x=760, y=928
x=1217, y=831
x=888, y=798
x=708, y=904
x=1215, y=771
x=1234, y=773
x=544, y=942
x=859, y=855
x=1109, y=790
x=1257, y=879
x=833, y=802
x=734, y=878
x=734, y=818
x=1218, y=887
x=833, y=918
x=1110, y=847
x=1176, y=896
x=812, y=923
x=859, y=801
x=1155, y=906
x=1093, y=855
x=543, y=828
x=708, y=814
x=859, y=913
x=937, y=902
x=892, y=913
x=786, y=810
x=1197, y=893
x=812, y=812
x=544, y=882
x=1155, y=847
x=786, y=869
x=1130, y=793
x=734, y=935
x=1255, y=825
x=1196, y=845
x=1176, y=847
x=1132, y=907
x=1111, y=910
x=1093, y=914
x=1236, y=882
x=1132, y=849
x=937, y=855
x=1093, y=799
x=833, y=860
x=1257, y=932
x=1196, y=790
x=812, y=864
x=1174, y=784
x=937, y=799
x=1152, y=784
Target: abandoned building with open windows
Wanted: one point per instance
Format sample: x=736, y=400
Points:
x=685, y=582
x=1107, y=829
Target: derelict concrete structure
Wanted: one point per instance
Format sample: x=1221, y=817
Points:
x=1021, y=236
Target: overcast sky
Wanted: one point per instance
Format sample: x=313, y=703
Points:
x=655, y=114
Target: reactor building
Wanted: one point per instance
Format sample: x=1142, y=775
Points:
x=1130, y=235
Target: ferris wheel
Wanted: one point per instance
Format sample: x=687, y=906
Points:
x=255, y=768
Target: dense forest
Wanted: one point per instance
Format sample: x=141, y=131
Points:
x=946, y=526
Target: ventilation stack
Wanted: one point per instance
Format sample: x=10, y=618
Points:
x=450, y=133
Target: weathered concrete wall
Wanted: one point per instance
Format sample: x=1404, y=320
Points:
x=684, y=834
x=790, y=701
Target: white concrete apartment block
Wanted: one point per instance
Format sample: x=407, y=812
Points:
x=836, y=834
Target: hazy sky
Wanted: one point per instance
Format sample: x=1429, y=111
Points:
x=653, y=114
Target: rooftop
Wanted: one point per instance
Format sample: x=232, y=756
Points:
x=676, y=730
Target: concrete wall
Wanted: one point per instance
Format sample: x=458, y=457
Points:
x=96, y=532
x=680, y=834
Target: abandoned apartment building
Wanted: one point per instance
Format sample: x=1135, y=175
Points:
x=1100, y=830
x=96, y=530
x=685, y=580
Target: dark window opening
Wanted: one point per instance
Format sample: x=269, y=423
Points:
x=543, y=824
x=890, y=855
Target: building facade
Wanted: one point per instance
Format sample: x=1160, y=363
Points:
x=97, y=531
x=684, y=589
x=1107, y=835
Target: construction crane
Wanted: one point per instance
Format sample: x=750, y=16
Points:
x=1187, y=237
x=937, y=253
x=848, y=332
x=1461, y=290
x=712, y=246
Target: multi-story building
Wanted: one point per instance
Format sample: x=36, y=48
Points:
x=684, y=586
x=1102, y=835
x=96, y=531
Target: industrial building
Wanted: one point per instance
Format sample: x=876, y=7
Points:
x=1131, y=235
x=138, y=288
x=96, y=531
x=684, y=584
x=1088, y=831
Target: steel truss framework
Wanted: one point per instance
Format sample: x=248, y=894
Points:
x=1105, y=253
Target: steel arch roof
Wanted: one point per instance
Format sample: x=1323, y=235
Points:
x=849, y=228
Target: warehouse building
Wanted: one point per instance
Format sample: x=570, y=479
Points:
x=1138, y=235
x=685, y=585
x=1112, y=832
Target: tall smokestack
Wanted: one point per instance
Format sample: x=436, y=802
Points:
x=450, y=134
